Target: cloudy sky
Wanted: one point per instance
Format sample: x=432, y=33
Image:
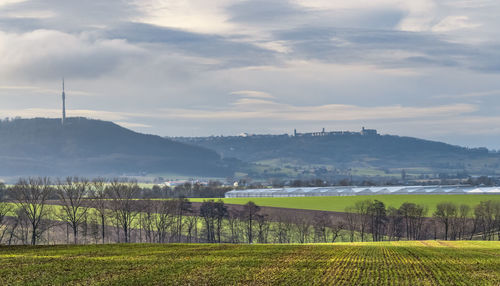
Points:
x=424, y=68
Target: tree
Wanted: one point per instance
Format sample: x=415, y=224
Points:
x=321, y=222
x=72, y=193
x=250, y=211
x=336, y=228
x=361, y=209
x=234, y=224
x=302, y=227
x=182, y=207
x=394, y=223
x=164, y=218
x=283, y=228
x=192, y=228
x=351, y=222
x=99, y=196
x=4, y=210
x=122, y=195
x=220, y=214
x=262, y=228
x=484, y=220
x=444, y=213
x=31, y=197
x=208, y=213
x=413, y=218
x=463, y=220
x=378, y=218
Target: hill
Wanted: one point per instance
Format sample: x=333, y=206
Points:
x=93, y=147
x=352, y=153
x=379, y=263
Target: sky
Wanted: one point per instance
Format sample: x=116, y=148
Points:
x=421, y=68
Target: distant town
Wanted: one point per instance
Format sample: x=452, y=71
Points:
x=364, y=132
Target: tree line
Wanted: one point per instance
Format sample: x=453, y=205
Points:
x=78, y=210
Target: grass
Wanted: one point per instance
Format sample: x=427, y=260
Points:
x=386, y=263
x=339, y=204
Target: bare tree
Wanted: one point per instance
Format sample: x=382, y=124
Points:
x=234, y=222
x=72, y=194
x=249, y=213
x=361, y=208
x=220, y=215
x=335, y=230
x=183, y=207
x=378, y=218
x=164, y=218
x=5, y=208
x=484, y=220
x=99, y=196
x=283, y=228
x=122, y=195
x=302, y=227
x=394, y=223
x=147, y=220
x=208, y=213
x=351, y=222
x=463, y=219
x=31, y=197
x=263, y=226
x=321, y=222
x=192, y=228
x=413, y=218
x=444, y=213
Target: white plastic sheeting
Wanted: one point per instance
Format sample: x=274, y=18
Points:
x=359, y=191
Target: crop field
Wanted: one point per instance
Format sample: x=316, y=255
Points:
x=386, y=263
x=339, y=204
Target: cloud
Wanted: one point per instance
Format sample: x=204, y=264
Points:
x=42, y=90
x=31, y=14
x=252, y=93
x=226, y=50
x=191, y=15
x=10, y=2
x=185, y=67
x=452, y=23
x=257, y=108
x=49, y=54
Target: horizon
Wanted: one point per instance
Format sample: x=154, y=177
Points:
x=423, y=68
x=251, y=134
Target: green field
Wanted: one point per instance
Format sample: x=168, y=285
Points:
x=339, y=204
x=387, y=263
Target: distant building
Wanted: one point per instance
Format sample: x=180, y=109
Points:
x=364, y=132
x=368, y=132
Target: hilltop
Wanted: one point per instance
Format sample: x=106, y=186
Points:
x=351, y=153
x=83, y=146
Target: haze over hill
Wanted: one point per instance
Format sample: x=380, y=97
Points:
x=352, y=153
x=93, y=147
x=100, y=148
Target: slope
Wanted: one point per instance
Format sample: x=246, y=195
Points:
x=84, y=146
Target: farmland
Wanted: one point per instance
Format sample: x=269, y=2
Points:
x=339, y=204
x=402, y=263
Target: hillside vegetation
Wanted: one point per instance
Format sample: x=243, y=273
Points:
x=84, y=146
x=358, y=155
x=387, y=263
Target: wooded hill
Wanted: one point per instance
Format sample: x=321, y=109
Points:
x=93, y=147
x=371, y=154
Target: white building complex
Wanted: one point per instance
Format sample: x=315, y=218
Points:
x=359, y=191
